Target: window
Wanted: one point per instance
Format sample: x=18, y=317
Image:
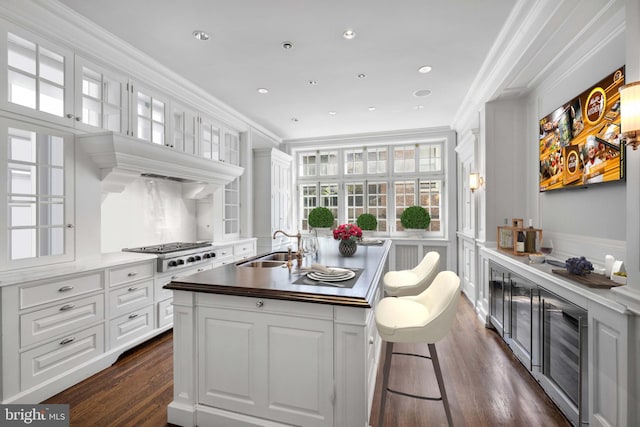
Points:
x=36, y=76
x=386, y=184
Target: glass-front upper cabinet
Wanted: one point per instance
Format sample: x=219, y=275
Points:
x=37, y=188
x=230, y=150
x=209, y=138
x=184, y=129
x=149, y=115
x=101, y=98
x=38, y=76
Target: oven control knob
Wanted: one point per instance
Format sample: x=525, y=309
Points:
x=205, y=256
x=197, y=257
x=180, y=262
x=172, y=263
x=190, y=259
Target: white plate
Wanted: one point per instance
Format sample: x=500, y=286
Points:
x=348, y=274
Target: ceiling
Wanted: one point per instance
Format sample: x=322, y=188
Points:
x=245, y=53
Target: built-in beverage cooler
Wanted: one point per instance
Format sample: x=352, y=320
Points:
x=498, y=290
x=548, y=334
x=564, y=370
x=524, y=337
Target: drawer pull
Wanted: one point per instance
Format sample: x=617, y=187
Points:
x=133, y=273
x=133, y=316
x=67, y=307
x=131, y=289
x=200, y=269
x=65, y=289
x=174, y=277
x=67, y=340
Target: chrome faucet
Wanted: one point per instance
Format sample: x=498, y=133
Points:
x=299, y=238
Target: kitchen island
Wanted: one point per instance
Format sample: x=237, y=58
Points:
x=262, y=347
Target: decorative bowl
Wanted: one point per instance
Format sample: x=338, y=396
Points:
x=537, y=258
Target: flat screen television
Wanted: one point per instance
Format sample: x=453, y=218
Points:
x=579, y=141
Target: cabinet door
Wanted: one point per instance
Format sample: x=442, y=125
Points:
x=37, y=189
x=149, y=114
x=230, y=151
x=101, y=99
x=184, y=129
x=38, y=76
x=209, y=138
x=266, y=365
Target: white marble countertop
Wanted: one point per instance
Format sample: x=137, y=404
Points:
x=79, y=266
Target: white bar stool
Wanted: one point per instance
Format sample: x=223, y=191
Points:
x=414, y=281
x=424, y=318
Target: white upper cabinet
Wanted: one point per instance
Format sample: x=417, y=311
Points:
x=101, y=99
x=38, y=192
x=149, y=115
x=210, y=132
x=230, y=150
x=38, y=77
x=184, y=129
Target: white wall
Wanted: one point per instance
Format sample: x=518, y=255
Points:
x=596, y=213
x=147, y=212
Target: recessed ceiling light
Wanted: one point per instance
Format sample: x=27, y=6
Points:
x=313, y=82
x=371, y=108
x=422, y=92
x=362, y=76
x=201, y=35
x=424, y=69
x=263, y=90
x=332, y=113
x=287, y=45
x=349, y=34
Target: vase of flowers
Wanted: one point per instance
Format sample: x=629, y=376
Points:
x=348, y=235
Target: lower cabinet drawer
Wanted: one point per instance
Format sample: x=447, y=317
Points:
x=131, y=272
x=68, y=352
x=43, y=293
x=131, y=326
x=63, y=318
x=130, y=297
x=165, y=312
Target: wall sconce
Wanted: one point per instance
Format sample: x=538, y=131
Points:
x=475, y=181
x=630, y=113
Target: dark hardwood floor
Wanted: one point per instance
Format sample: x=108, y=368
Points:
x=486, y=385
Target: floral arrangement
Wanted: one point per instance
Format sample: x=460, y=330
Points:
x=347, y=232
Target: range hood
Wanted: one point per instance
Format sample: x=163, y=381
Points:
x=122, y=159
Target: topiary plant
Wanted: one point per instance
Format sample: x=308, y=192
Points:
x=367, y=221
x=415, y=217
x=320, y=217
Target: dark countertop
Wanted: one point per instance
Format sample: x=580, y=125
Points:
x=277, y=282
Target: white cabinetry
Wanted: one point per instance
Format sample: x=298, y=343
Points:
x=272, y=196
x=184, y=129
x=58, y=331
x=286, y=369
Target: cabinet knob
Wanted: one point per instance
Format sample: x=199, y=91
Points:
x=78, y=119
x=69, y=225
x=70, y=116
x=370, y=340
x=259, y=303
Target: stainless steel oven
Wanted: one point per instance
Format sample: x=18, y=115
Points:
x=564, y=370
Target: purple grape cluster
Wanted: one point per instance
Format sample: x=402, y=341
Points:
x=580, y=266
